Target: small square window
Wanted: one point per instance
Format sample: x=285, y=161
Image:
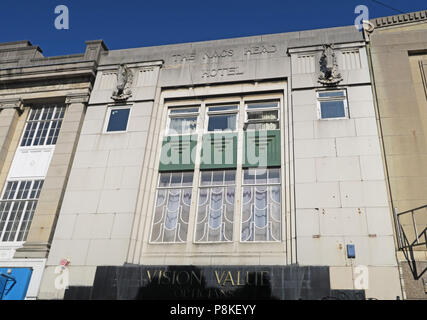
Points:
x=118, y=120
x=332, y=109
x=332, y=104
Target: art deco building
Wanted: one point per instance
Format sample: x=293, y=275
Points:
x=227, y=168
x=243, y=168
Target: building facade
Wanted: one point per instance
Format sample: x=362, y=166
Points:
x=42, y=102
x=231, y=162
x=244, y=168
x=398, y=47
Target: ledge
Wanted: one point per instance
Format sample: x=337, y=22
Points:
x=399, y=19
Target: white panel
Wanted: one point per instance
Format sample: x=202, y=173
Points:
x=337, y=169
x=8, y=249
x=317, y=195
x=32, y=162
x=350, y=60
x=108, y=80
x=305, y=64
x=147, y=77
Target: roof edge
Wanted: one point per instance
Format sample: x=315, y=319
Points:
x=399, y=19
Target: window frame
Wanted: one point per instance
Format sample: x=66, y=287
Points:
x=203, y=103
x=28, y=121
x=108, y=115
x=182, y=187
x=267, y=184
x=181, y=115
x=343, y=98
x=247, y=109
x=15, y=200
x=208, y=113
x=223, y=185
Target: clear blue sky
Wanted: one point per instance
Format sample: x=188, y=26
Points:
x=131, y=23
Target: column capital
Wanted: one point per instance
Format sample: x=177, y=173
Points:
x=15, y=103
x=77, y=98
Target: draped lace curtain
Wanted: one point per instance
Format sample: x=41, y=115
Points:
x=261, y=214
x=216, y=207
x=172, y=212
x=182, y=125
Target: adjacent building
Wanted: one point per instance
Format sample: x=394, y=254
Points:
x=255, y=167
x=398, y=50
x=42, y=103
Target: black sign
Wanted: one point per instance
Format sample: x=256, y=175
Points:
x=132, y=282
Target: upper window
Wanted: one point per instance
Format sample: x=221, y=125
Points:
x=183, y=120
x=118, y=119
x=43, y=125
x=17, y=206
x=262, y=115
x=222, y=118
x=332, y=104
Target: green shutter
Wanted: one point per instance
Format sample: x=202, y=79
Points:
x=261, y=148
x=219, y=151
x=178, y=153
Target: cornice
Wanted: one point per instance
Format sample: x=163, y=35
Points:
x=77, y=98
x=12, y=103
x=400, y=19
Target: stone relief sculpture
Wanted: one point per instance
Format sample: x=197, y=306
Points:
x=124, y=82
x=329, y=67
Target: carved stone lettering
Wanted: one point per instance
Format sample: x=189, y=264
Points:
x=222, y=72
x=217, y=54
x=260, y=49
x=179, y=58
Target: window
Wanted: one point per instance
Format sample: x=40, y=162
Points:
x=216, y=206
x=43, y=125
x=226, y=142
x=172, y=210
x=332, y=104
x=222, y=118
x=183, y=120
x=118, y=119
x=261, y=205
x=17, y=207
x=262, y=116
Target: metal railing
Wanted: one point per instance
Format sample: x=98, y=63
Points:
x=4, y=288
x=418, y=239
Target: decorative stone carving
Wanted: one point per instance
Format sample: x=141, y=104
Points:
x=329, y=67
x=124, y=82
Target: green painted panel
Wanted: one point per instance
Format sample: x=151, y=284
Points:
x=219, y=151
x=178, y=153
x=261, y=148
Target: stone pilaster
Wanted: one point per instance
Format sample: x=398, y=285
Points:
x=94, y=48
x=9, y=111
x=43, y=224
